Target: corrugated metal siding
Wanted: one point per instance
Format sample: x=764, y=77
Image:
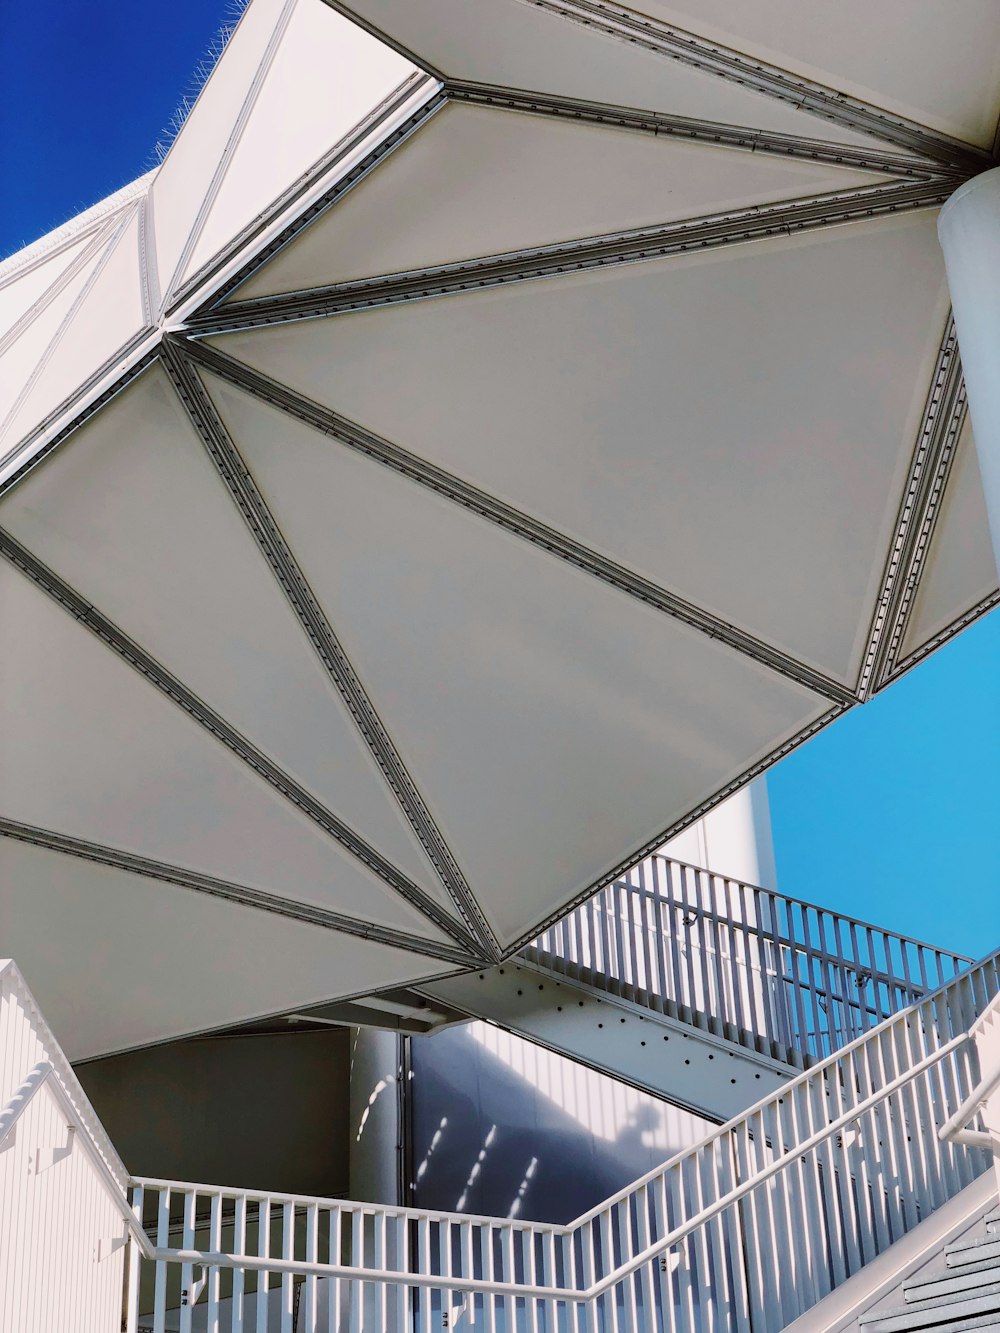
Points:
x=61, y=1228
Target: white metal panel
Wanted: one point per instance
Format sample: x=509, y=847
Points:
x=108, y=314
x=479, y=181
x=23, y=362
x=326, y=76
x=183, y=181
x=527, y=47
x=119, y=960
x=21, y=292
x=960, y=569
x=735, y=425
x=94, y=751
x=107, y=517
x=553, y=724
x=61, y=1224
x=937, y=63
x=51, y=1228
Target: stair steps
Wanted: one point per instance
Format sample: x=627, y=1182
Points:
x=963, y=1294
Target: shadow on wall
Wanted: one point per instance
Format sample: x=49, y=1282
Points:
x=505, y=1128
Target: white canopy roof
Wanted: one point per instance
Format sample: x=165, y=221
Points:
x=467, y=458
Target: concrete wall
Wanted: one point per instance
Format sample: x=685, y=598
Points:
x=265, y=1112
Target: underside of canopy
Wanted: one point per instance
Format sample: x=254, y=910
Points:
x=491, y=436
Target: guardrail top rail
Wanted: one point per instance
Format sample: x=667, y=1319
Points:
x=788, y=978
x=744, y=1231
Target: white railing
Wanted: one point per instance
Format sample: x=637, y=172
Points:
x=785, y=977
x=745, y=1231
x=64, y=1218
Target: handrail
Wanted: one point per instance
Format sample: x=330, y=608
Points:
x=773, y=972
x=56, y=1073
x=89, y=1122
x=881, y=1084
x=626, y=1269
x=956, y=1127
x=816, y=907
x=814, y=1074
x=42, y=1074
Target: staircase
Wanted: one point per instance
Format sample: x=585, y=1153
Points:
x=964, y=1293
x=744, y=1232
x=698, y=988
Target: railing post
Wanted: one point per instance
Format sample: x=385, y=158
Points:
x=132, y=1267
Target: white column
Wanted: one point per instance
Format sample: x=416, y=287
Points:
x=376, y=1124
x=969, y=230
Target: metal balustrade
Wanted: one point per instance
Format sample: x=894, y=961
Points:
x=787, y=978
x=745, y=1231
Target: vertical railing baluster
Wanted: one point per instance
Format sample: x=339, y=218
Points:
x=133, y=1266
x=263, y=1250
x=309, y=1309
x=187, y=1270
x=162, y=1242
x=287, y=1252
x=334, y=1305
x=213, y=1277
x=239, y=1274
x=356, y=1289
x=424, y=1294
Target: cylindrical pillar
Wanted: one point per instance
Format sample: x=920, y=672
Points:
x=969, y=230
x=376, y=1127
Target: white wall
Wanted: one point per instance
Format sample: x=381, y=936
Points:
x=61, y=1223
x=506, y=1128
x=734, y=839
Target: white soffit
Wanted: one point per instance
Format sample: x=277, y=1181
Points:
x=25, y=358
x=103, y=311
x=326, y=76
x=736, y=426
x=553, y=724
x=522, y=46
x=960, y=569
x=183, y=182
x=295, y=79
x=935, y=62
x=117, y=960
x=103, y=756
x=136, y=519
x=24, y=291
x=480, y=180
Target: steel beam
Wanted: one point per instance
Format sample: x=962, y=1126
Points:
x=497, y=511
x=158, y=675
x=618, y=21
x=241, y=894
x=710, y=133
x=937, y=437
x=691, y=235
x=310, y=615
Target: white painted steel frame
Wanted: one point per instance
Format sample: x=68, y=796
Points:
x=828, y=1172
x=928, y=166
x=792, y=980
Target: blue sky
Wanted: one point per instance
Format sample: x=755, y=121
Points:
x=890, y=814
